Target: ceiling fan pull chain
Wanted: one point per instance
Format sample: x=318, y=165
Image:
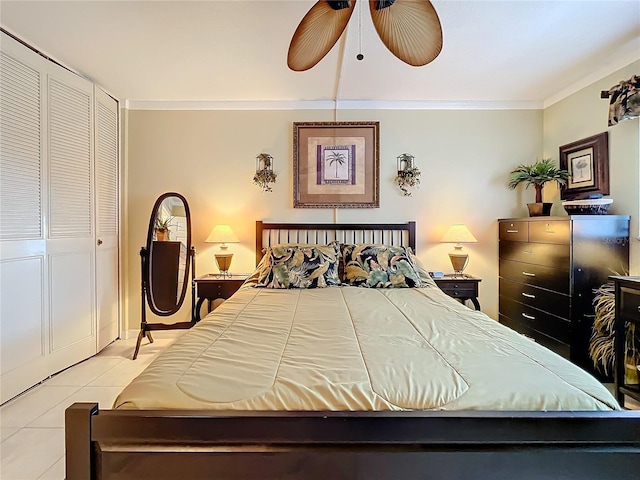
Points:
x=360, y=56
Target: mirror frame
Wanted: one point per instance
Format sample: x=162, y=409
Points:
x=147, y=257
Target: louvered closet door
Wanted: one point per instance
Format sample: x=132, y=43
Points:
x=107, y=214
x=23, y=314
x=70, y=241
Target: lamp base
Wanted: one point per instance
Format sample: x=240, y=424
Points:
x=223, y=260
x=459, y=260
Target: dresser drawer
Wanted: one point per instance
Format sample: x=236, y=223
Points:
x=630, y=303
x=539, y=298
x=547, y=254
x=543, y=322
x=458, y=289
x=556, y=279
x=218, y=288
x=562, y=349
x=557, y=231
x=514, y=231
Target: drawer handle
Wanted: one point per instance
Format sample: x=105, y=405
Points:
x=529, y=274
x=512, y=231
x=528, y=295
x=527, y=252
x=550, y=232
x=455, y=285
x=530, y=317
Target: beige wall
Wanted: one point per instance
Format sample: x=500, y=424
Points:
x=209, y=157
x=584, y=114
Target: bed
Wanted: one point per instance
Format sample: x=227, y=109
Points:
x=352, y=382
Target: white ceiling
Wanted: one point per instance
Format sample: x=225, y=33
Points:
x=525, y=54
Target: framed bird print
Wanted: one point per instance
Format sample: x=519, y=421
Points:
x=336, y=165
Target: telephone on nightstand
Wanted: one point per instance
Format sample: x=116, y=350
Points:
x=436, y=274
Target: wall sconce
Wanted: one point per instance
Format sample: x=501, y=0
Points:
x=408, y=174
x=459, y=234
x=264, y=172
x=223, y=234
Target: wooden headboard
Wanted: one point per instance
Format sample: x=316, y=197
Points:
x=401, y=234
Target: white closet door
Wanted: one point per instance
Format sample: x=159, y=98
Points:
x=107, y=214
x=23, y=315
x=70, y=241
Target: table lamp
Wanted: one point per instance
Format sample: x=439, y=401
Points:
x=458, y=234
x=223, y=234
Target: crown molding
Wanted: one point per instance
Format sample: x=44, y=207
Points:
x=590, y=79
x=329, y=105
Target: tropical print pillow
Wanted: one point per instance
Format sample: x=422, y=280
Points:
x=299, y=266
x=379, y=266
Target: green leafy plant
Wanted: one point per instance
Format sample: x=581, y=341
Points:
x=406, y=179
x=408, y=175
x=161, y=227
x=601, y=344
x=264, y=175
x=538, y=174
x=263, y=178
x=163, y=224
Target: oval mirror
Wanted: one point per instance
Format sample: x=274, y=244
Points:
x=168, y=244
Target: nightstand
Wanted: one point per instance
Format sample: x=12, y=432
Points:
x=460, y=287
x=211, y=287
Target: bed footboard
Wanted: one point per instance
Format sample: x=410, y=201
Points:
x=141, y=444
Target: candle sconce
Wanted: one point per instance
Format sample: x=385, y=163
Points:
x=408, y=174
x=264, y=172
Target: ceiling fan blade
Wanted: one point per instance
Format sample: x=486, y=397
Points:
x=318, y=32
x=410, y=29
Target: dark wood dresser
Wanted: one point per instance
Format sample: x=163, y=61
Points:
x=548, y=269
x=168, y=260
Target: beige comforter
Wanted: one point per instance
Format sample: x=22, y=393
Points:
x=349, y=348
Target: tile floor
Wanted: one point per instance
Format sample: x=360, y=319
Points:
x=34, y=421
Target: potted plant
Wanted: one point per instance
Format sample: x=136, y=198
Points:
x=601, y=344
x=538, y=174
x=162, y=228
x=264, y=172
x=408, y=175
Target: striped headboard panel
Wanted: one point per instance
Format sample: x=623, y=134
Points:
x=403, y=234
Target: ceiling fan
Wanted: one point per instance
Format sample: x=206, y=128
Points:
x=410, y=29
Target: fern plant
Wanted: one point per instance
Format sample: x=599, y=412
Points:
x=601, y=344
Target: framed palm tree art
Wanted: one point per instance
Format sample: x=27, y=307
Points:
x=336, y=165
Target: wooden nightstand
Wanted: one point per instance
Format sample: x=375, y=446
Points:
x=211, y=287
x=460, y=287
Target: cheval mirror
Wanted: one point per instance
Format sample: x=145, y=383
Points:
x=166, y=261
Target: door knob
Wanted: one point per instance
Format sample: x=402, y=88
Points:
x=99, y=242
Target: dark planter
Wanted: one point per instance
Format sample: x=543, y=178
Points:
x=539, y=209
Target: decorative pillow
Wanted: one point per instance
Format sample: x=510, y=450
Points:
x=299, y=266
x=338, y=246
x=423, y=273
x=379, y=266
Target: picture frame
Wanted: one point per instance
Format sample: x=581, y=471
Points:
x=336, y=164
x=587, y=162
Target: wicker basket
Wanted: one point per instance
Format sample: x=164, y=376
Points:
x=591, y=206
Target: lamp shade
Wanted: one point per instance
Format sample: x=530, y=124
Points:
x=222, y=234
x=458, y=234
